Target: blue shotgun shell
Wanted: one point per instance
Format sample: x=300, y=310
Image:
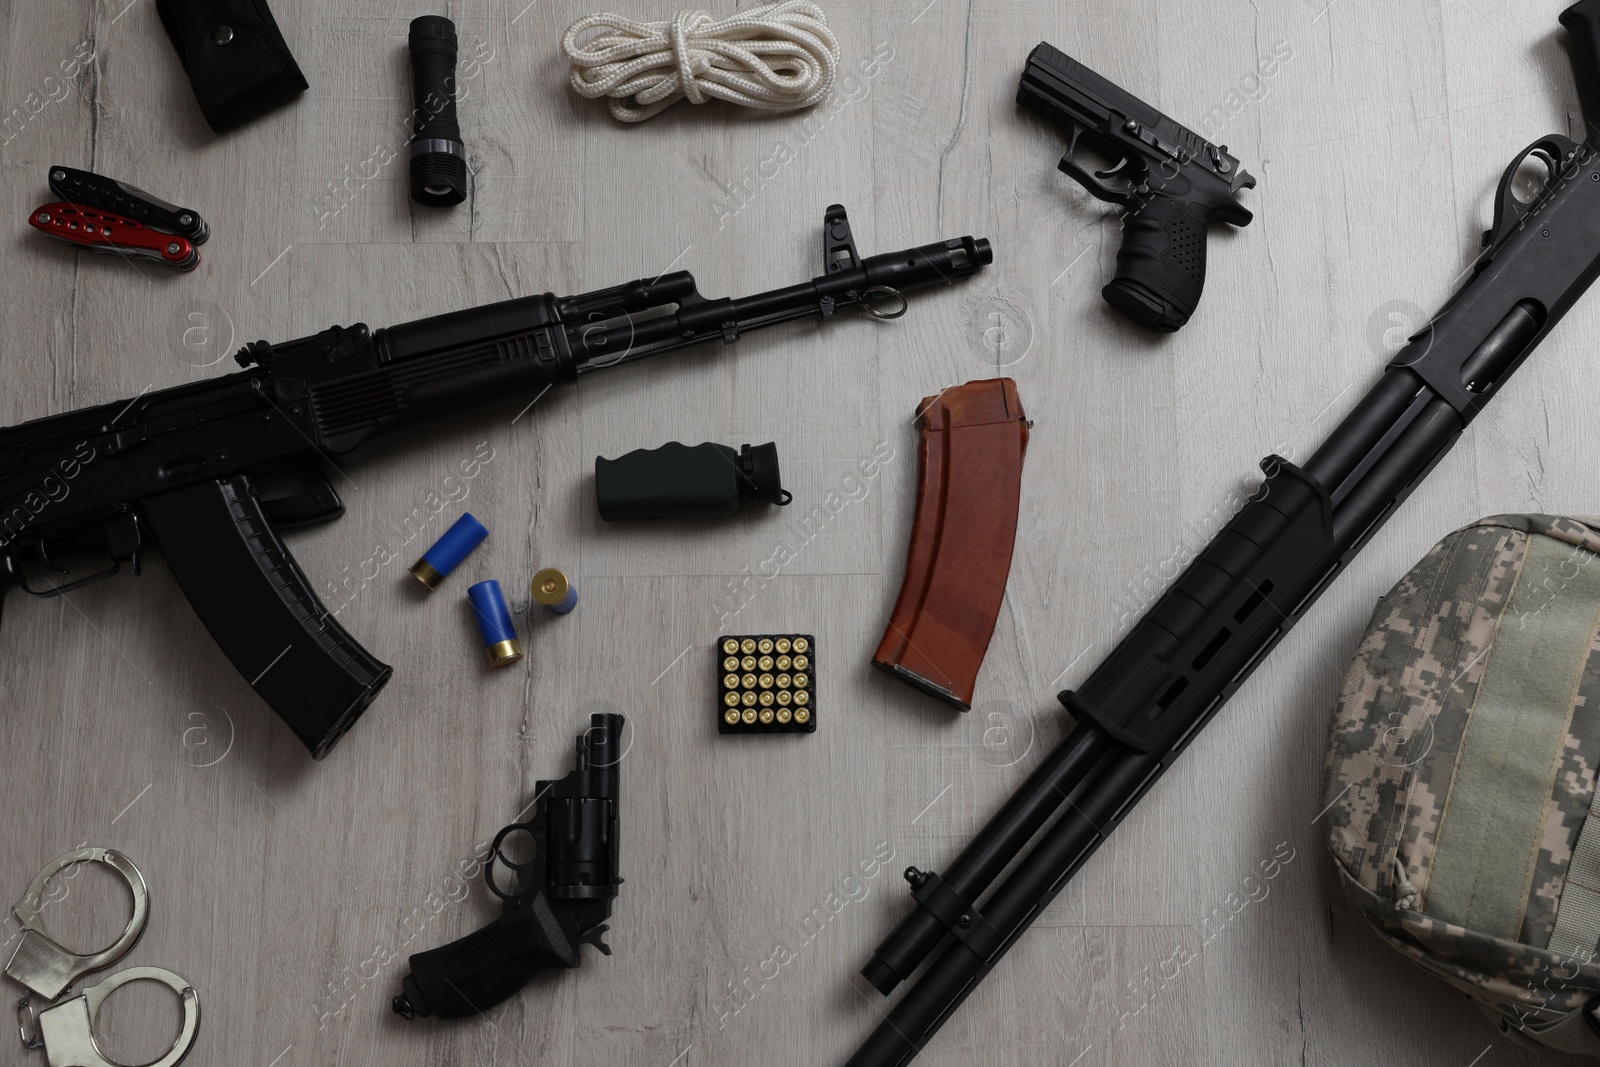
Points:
x=554, y=590
x=494, y=623
x=446, y=555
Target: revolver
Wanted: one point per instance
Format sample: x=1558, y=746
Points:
x=1173, y=184
x=562, y=898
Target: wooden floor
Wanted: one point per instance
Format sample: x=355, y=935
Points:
x=290, y=892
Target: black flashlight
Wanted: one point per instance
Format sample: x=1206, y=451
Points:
x=438, y=158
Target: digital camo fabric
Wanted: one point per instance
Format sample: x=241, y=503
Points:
x=1398, y=736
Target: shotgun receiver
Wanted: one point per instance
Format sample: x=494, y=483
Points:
x=191, y=469
x=1137, y=712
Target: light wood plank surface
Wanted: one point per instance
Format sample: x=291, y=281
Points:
x=290, y=891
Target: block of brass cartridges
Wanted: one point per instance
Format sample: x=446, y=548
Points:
x=766, y=684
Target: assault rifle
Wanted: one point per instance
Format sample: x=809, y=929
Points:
x=179, y=468
x=1139, y=709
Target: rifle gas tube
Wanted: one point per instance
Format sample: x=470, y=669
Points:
x=1173, y=184
x=1141, y=707
x=562, y=898
x=189, y=469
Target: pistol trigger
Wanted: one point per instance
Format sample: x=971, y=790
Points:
x=1114, y=171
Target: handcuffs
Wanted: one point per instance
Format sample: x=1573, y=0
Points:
x=65, y=1027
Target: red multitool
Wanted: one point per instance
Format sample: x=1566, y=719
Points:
x=113, y=234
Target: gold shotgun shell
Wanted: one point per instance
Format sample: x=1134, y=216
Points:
x=802, y=645
x=504, y=653
x=765, y=644
x=748, y=699
x=765, y=698
x=424, y=572
x=782, y=644
x=765, y=681
x=802, y=716
x=731, y=681
x=802, y=681
x=731, y=717
x=802, y=698
x=731, y=645
x=782, y=663
x=765, y=663
x=748, y=645
x=731, y=663
x=784, y=715
x=801, y=662
x=749, y=715
x=730, y=698
x=748, y=663
x=766, y=715
x=784, y=696
x=783, y=681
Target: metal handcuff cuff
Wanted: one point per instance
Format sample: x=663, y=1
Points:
x=65, y=1027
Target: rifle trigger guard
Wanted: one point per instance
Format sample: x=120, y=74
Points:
x=954, y=912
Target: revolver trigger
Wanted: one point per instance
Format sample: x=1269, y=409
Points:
x=592, y=937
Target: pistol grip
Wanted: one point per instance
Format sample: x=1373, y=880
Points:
x=260, y=609
x=1161, y=266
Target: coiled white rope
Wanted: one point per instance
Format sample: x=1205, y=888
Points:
x=779, y=57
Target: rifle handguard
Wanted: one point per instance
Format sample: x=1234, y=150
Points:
x=968, y=493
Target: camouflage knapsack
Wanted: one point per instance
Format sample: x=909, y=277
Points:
x=1461, y=774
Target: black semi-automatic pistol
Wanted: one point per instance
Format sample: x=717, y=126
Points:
x=1173, y=184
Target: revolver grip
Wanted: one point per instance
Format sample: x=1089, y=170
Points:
x=474, y=973
x=1161, y=266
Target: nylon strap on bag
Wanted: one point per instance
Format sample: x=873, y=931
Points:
x=1577, y=928
x=1489, y=839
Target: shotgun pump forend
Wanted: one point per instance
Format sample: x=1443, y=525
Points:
x=1142, y=706
x=561, y=900
x=210, y=472
x=1172, y=183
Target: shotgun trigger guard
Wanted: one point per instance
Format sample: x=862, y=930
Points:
x=1561, y=158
